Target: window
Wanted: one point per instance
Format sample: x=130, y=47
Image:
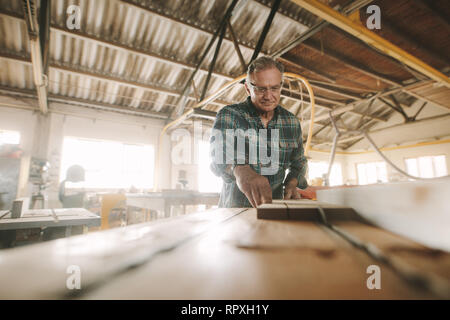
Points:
x=109, y=164
x=9, y=137
x=318, y=169
x=372, y=172
x=427, y=167
x=207, y=181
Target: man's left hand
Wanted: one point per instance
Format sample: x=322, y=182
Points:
x=290, y=190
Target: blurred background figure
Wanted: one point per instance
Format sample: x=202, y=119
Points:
x=71, y=190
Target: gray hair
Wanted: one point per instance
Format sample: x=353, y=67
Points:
x=263, y=63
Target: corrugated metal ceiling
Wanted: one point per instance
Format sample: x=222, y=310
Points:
x=139, y=55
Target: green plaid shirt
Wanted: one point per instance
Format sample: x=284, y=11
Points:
x=245, y=117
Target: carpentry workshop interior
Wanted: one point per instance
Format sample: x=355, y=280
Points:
x=112, y=180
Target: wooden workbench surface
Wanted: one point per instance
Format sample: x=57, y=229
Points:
x=40, y=218
x=218, y=254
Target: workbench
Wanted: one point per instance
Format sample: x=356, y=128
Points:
x=225, y=254
x=164, y=200
x=50, y=218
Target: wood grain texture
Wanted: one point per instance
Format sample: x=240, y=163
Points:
x=100, y=255
x=250, y=258
x=217, y=254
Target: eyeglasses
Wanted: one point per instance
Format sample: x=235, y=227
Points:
x=262, y=90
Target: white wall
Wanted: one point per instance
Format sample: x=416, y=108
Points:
x=398, y=158
x=325, y=156
x=186, y=140
x=85, y=123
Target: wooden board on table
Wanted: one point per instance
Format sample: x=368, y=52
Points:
x=305, y=210
x=250, y=258
x=218, y=254
x=42, y=218
x=99, y=255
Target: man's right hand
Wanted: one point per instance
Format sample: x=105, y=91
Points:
x=255, y=187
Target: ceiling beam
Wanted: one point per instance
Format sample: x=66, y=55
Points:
x=301, y=64
x=118, y=46
x=341, y=86
x=396, y=107
x=350, y=63
x=10, y=91
x=44, y=20
x=371, y=38
x=207, y=28
x=30, y=14
x=351, y=105
x=236, y=47
x=116, y=79
x=337, y=91
x=220, y=30
x=265, y=30
x=424, y=120
x=355, y=5
x=286, y=13
x=297, y=97
x=114, y=44
x=104, y=77
x=417, y=96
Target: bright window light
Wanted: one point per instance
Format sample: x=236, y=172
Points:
x=207, y=181
x=9, y=137
x=318, y=169
x=372, y=172
x=109, y=164
x=427, y=167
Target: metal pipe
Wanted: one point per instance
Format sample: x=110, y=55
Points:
x=213, y=62
x=222, y=23
x=236, y=47
x=333, y=149
x=372, y=143
x=266, y=29
x=330, y=162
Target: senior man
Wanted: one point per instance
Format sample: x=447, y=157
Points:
x=254, y=143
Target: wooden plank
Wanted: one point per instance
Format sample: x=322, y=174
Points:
x=418, y=210
x=250, y=258
x=99, y=255
x=163, y=201
x=305, y=210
